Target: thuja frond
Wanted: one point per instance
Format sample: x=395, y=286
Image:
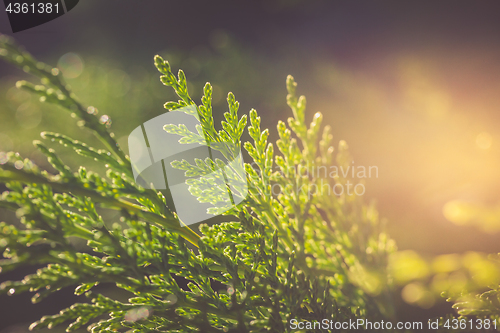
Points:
x=299, y=253
x=299, y=215
x=54, y=90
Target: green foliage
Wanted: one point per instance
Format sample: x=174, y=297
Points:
x=483, y=298
x=470, y=281
x=303, y=253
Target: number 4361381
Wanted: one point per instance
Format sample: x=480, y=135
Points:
x=472, y=324
x=33, y=8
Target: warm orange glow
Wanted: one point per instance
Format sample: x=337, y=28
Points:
x=484, y=140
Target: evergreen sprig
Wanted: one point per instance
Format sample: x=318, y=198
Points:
x=299, y=254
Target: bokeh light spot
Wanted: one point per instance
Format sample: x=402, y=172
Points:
x=408, y=265
x=416, y=293
x=28, y=115
x=92, y=110
x=17, y=96
x=71, y=65
x=412, y=292
x=137, y=314
x=3, y=158
x=446, y=263
x=456, y=212
x=19, y=165
x=172, y=299
x=105, y=120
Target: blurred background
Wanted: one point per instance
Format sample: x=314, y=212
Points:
x=412, y=87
